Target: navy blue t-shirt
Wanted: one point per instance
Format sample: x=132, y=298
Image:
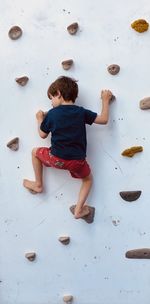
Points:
x=67, y=126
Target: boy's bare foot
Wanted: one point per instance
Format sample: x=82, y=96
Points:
x=82, y=212
x=33, y=187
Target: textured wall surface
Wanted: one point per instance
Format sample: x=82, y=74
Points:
x=93, y=267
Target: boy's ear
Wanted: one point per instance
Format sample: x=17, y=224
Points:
x=58, y=94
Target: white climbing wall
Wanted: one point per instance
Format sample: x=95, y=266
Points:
x=93, y=267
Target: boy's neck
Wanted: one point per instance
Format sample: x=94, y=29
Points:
x=67, y=102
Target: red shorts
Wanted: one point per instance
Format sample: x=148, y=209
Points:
x=77, y=168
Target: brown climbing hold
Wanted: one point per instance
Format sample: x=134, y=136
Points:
x=142, y=253
x=30, y=256
x=22, y=80
x=13, y=144
x=140, y=25
x=131, y=151
x=113, y=69
x=88, y=218
x=72, y=28
x=15, y=32
x=65, y=240
x=145, y=103
x=67, y=64
x=130, y=196
x=67, y=298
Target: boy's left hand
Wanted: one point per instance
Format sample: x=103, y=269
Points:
x=40, y=115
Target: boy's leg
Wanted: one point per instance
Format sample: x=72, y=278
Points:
x=37, y=185
x=82, y=209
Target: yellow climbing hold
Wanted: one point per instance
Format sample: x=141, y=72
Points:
x=140, y=25
x=131, y=151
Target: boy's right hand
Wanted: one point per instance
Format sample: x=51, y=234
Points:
x=106, y=95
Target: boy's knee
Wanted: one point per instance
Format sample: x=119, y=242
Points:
x=34, y=151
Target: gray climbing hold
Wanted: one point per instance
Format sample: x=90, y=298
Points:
x=88, y=218
x=30, y=256
x=130, y=196
x=67, y=64
x=22, y=80
x=15, y=32
x=13, y=144
x=72, y=28
x=68, y=298
x=113, y=69
x=142, y=253
x=65, y=240
x=145, y=103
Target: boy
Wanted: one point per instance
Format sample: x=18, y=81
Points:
x=66, y=122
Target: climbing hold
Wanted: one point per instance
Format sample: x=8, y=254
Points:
x=66, y=64
x=88, y=218
x=140, y=25
x=113, y=69
x=22, y=80
x=143, y=253
x=30, y=256
x=145, y=103
x=15, y=32
x=131, y=151
x=67, y=298
x=72, y=28
x=13, y=144
x=64, y=240
x=130, y=196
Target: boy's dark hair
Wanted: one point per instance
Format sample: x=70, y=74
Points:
x=67, y=87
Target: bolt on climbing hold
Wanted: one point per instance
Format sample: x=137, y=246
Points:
x=131, y=151
x=130, y=196
x=67, y=64
x=13, y=144
x=65, y=240
x=30, y=256
x=72, y=28
x=113, y=69
x=15, y=32
x=68, y=298
x=145, y=103
x=140, y=25
x=142, y=253
x=22, y=80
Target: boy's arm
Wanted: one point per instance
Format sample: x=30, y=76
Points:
x=40, y=115
x=106, y=96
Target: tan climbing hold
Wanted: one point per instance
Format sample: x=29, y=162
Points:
x=140, y=25
x=15, y=32
x=89, y=218
x=22, y=80
x=130, y=196
x=65, y=240
x=72, y=28
x=30, y=256
x=113, y=69
x=142, y=253
x=131, y=151
x=67, y=298
x=13, y=144
x=67, y=64
x=145, y=103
